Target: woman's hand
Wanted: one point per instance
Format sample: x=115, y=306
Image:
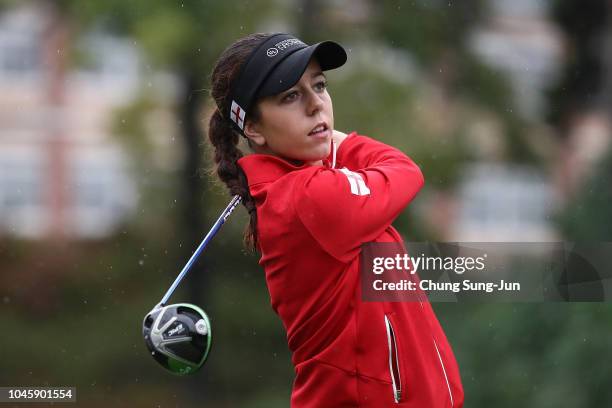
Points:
x=338, y=137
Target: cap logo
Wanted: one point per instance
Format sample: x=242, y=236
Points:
x=282, y=46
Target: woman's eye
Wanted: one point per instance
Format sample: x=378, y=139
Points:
x=290, y=96
x=321, y=85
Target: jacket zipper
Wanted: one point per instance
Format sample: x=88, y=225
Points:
x=450, y=394
x=394, y=368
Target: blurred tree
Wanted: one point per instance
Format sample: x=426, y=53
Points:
x=588, y=216
x=437, y=34
x=310, y=12
x=581, y=85
x=184, y=37
x=429, y=29
x=535, y=355
x=582, y=88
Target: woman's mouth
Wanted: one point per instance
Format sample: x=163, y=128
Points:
x=321, y=130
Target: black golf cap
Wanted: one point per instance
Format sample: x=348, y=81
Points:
x=274, y=66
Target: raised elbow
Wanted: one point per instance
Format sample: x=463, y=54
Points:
x=420, y=177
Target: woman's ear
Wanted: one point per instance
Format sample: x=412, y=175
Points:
x=253, y=132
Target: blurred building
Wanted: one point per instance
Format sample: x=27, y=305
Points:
x=496, y=200
x=520, y=40
x=504, y=203
x=514, y=203
x=61, y=173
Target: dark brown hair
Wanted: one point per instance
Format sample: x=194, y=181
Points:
x=221, y=133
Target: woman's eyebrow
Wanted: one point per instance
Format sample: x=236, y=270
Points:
x=314, y=75
x=288, y=91
x=281, y=95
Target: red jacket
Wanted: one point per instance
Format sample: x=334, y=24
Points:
x=311, y=223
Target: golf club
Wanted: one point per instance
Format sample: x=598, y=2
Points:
x=179, y=336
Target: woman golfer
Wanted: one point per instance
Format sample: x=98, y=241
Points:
x=314, y=196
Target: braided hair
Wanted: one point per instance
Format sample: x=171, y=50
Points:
x=221, y=133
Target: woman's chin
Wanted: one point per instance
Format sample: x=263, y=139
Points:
x=314, y=156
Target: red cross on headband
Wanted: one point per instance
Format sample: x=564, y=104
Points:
x=237, y=115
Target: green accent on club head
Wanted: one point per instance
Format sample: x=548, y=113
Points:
x=179, y=368
x=182, y=367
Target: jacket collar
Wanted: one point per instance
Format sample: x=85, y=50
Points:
x=264, y=168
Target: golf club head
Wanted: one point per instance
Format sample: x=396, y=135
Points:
x=178, y=337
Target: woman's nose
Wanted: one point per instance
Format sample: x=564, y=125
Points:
x=315, y=103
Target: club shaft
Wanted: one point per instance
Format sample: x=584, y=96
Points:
x=222, y=218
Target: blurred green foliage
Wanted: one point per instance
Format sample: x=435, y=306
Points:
x=429, y=29
x=534, y=355
x=588, y=216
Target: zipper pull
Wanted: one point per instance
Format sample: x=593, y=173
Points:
x=333, y=166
